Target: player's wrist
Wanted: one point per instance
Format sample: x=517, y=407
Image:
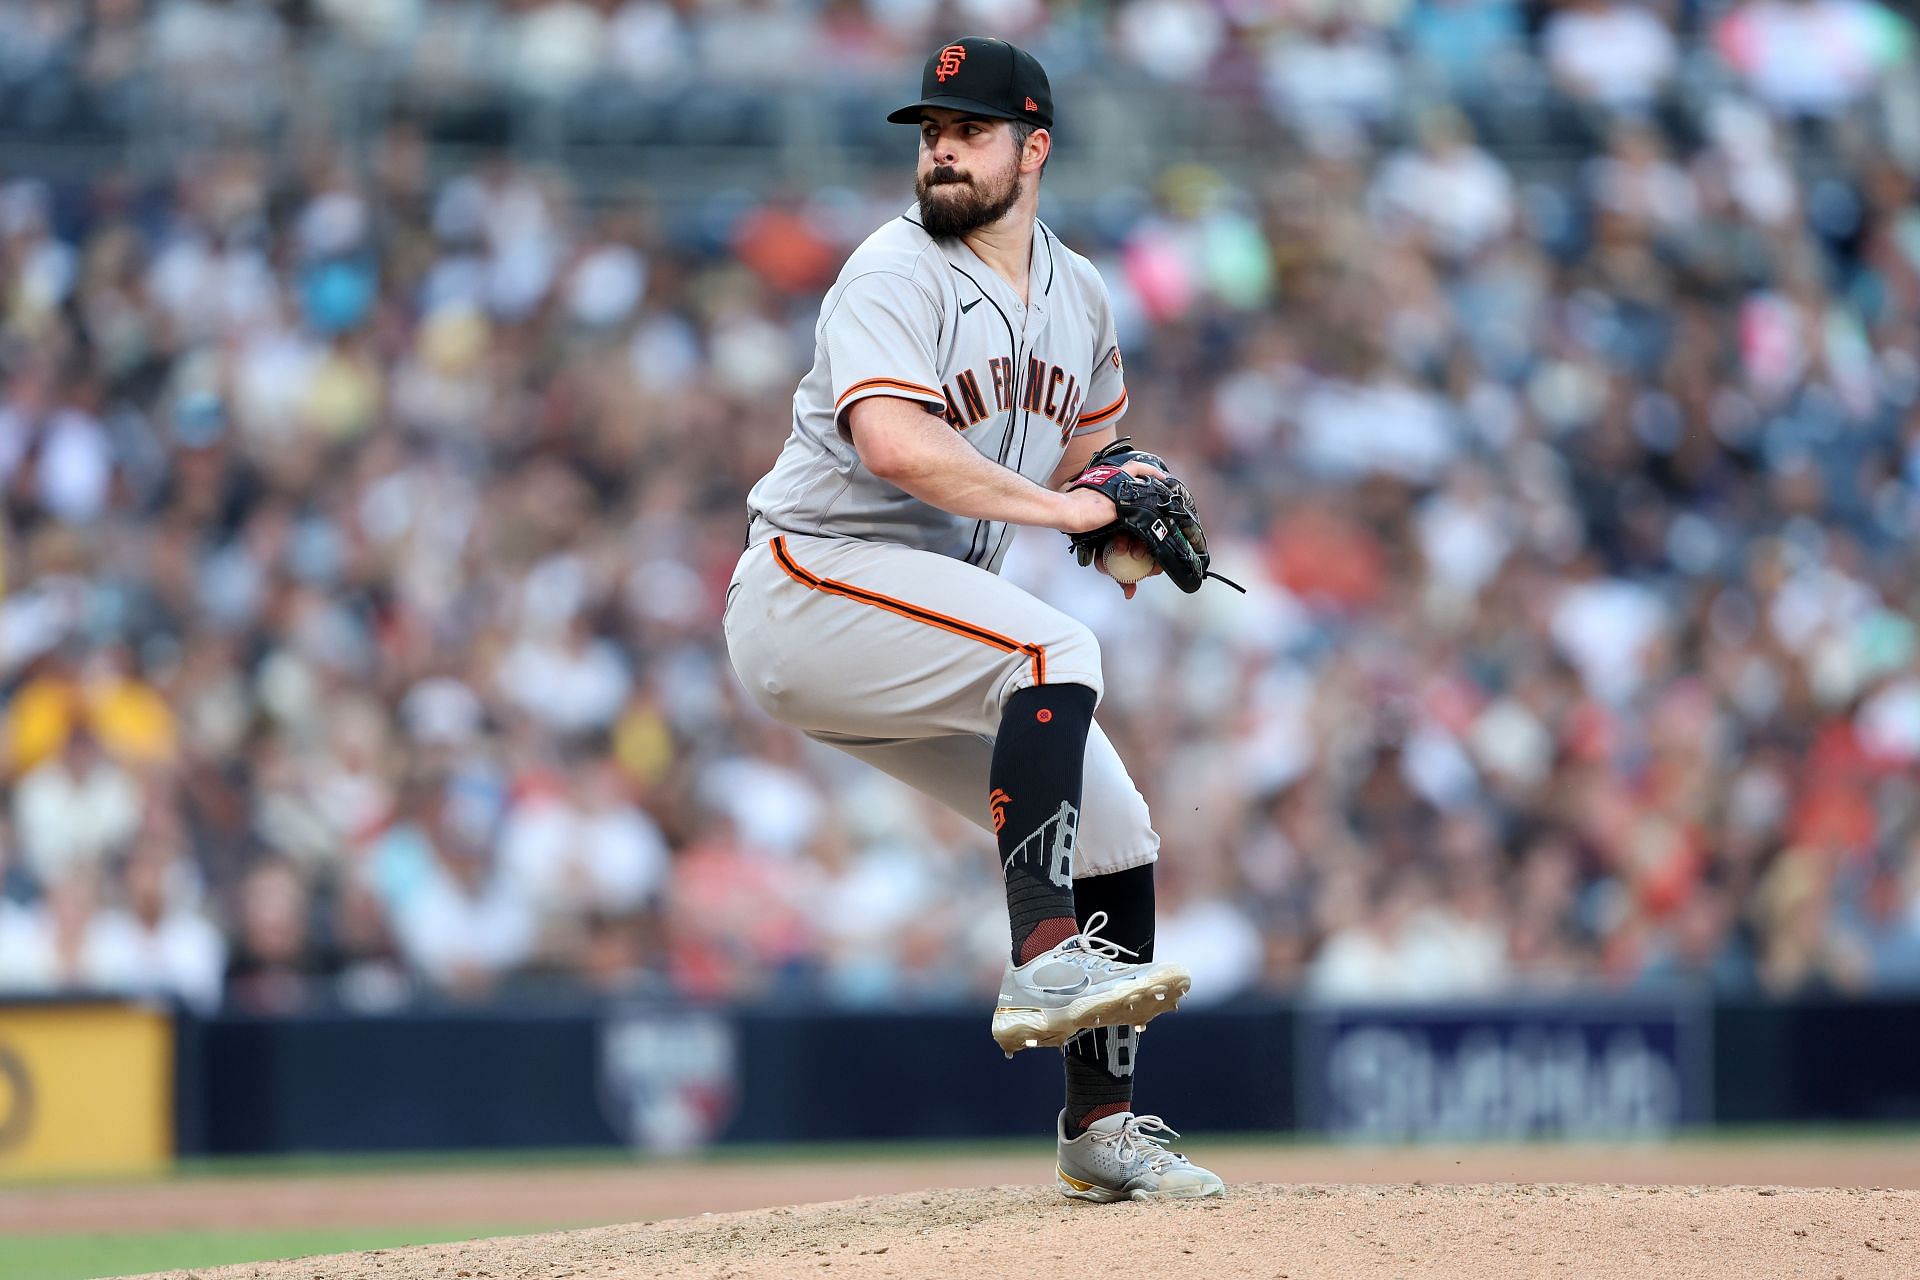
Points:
x=1083, y=511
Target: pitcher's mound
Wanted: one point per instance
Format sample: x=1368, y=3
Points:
x=1285, y=1232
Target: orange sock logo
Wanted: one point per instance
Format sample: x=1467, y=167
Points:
x=999, y=801
x=950, y=59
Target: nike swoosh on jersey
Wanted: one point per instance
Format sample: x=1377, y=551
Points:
x=968, y=306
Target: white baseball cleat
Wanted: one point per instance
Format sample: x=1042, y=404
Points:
x=1078, y=984
x=1124, y=1157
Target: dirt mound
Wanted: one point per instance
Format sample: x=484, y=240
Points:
x=1292, y=1232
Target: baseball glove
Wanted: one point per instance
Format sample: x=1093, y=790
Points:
x=1160, y=513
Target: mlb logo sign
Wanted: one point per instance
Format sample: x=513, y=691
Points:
x=669, y=1078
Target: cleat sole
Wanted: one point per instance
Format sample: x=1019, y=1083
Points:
x=1135, y=1003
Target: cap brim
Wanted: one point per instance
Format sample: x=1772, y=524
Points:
x=911, y=114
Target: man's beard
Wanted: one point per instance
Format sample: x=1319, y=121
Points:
x=962, y=207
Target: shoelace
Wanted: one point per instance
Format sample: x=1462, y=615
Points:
x=1145, y=1138
x=1094, y=947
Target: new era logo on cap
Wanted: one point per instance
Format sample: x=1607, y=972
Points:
x=1032, y=105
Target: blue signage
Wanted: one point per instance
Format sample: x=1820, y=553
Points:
x=1509, y=1071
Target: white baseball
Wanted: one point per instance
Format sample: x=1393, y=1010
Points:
x=1126, y=564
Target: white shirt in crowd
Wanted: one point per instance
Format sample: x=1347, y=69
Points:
x=568, y=688
x=1434, y=955
x=182, y=955
x=1215, y=942
x=1461, y=198
x=447, y=931
x=63, y=820
x=561, y=857
x=1605, y=627
x=1811, y=57
x=29, y=962
x=776, y=809
x=1620, y=56
x=1171, y=40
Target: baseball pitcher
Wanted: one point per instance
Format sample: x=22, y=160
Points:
x=966, y=379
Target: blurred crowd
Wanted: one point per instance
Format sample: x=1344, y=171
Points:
x=367, y=520
x=706, y=71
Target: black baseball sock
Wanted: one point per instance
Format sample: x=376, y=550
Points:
x=1099, y=1061
x=1038, y=756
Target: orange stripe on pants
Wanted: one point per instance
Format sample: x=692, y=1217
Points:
x=1036, y=654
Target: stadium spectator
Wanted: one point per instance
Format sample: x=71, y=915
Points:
x=1812, y=57
x=273, y=965
x=75, y=809
x=1616, y=54
x=156, y=942
x=1471, y=47
x=1447, y=192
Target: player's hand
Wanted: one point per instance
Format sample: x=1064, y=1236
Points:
x=1096, y=510
x=1126, y=544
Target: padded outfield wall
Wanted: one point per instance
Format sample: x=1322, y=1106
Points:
x=115, y=1087
x=669, y=1078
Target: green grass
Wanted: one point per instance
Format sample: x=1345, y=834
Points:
x=81, y=1257
x=530, y=1159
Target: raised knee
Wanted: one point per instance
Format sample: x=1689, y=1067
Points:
x=1073, y=657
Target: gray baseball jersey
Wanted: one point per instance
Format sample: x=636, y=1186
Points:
x=927, y=320
x=878, y=624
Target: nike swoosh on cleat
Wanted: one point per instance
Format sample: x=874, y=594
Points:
x=1069, y=990
x=968, y=306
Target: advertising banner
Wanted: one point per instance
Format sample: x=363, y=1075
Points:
x=1603, y=1070
x=669, y=1078
x=84, y=1089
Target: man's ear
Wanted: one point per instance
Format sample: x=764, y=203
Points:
x=1039, y=147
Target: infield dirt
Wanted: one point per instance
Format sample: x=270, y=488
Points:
x=1263, y=1230
x=1294, y=1212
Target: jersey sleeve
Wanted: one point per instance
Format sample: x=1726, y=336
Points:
x=879, y=341
x=1107, y=390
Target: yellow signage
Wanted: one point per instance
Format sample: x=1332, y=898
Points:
x=84, y=1088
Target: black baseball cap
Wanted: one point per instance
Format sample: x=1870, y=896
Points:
x=985, y=77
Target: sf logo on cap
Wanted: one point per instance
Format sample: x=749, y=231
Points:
x=950, y=59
